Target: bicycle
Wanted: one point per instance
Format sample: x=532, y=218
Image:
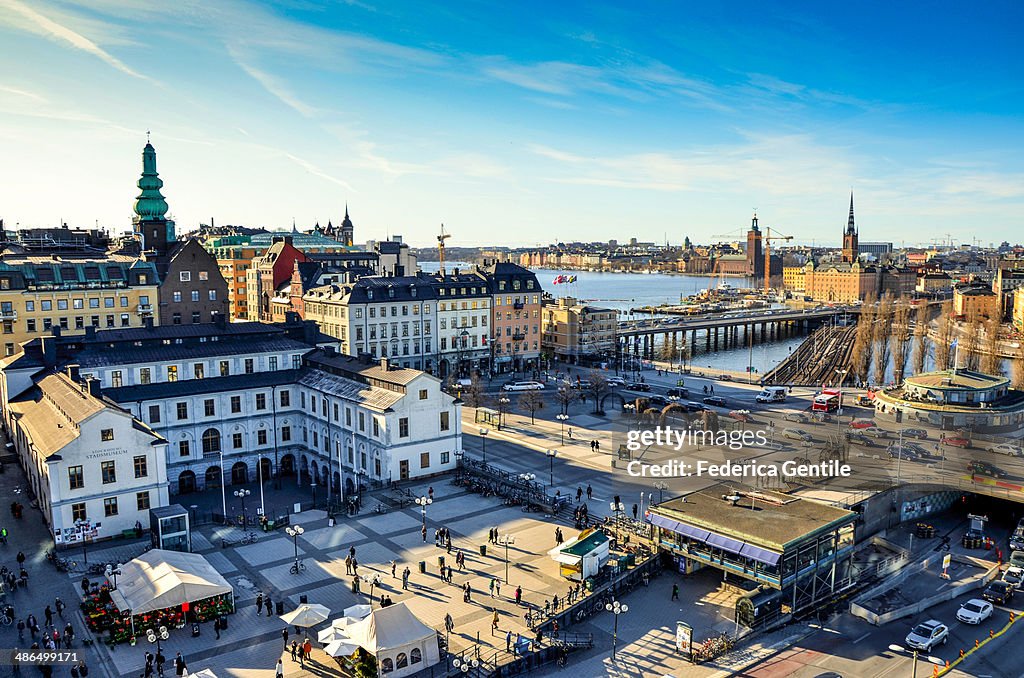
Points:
x=6, y=621
x=249, y=538
x=297, y=566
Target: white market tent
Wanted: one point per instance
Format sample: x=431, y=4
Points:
x=161, y=579
x=397, y=638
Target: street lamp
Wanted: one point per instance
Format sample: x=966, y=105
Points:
x=900, y=648
x=312, y=487
x=661, y=486
x=527, y=478
x=157, y=636
x=616, y=608
x=503, y=404
x=483, y=444
x=242, y=494
x=505, y=540
x=295, y=531
x=561, y=420
x=423, y=503
x=551, y=466
x=465, y=665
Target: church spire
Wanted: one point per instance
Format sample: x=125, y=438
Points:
x=851, y=227
x=150, y=204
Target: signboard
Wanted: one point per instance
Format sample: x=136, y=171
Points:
x=946, y=560
x=684, y=638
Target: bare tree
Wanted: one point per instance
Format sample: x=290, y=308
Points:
x=880, y=339
x=861, y=353
x=944, y=337
x=920, y=354
x=597, y=388
x=566, y=396
x=475, y=394
x=899, y=339
x=991, y=361
x=531, y=401
x=710, y=420
x=1017, y=369
x=970, y=344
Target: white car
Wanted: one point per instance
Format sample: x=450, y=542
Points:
x=974, y=611
x=927, y=635
x=523, y=386
x=1007, y=448
x=1014, y=576
x=797, y=434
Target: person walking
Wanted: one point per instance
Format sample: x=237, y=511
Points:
x=494, y=620
x=423, y=532
x=394, y=566
x=490, y=586
x=259, y=603
x=179, y=665
x=279, y=669
x=270, y=608
x=467, y=593
x=449, y=623
x=635, y=509
x=21, y=629
x=59, y=605
x=590, y=492
x=160, y=661
x=405, y=578
x=284, y=637
x=579, y=490
x=497, y=588
x=508, y=640
x=307, y=648
x=569, y=433
x=519, y=595
x=302, y=654
x=675, y=591
x=294, y=648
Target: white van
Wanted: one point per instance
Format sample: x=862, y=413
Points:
x=772, y=394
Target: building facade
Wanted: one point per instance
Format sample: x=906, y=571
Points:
x=516, y=296
x=574, y=332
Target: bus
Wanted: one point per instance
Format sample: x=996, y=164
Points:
x=829, y=400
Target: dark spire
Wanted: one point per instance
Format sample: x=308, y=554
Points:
x=851, y=227
x=753, y=223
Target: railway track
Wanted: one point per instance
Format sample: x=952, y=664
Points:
x=816, y=360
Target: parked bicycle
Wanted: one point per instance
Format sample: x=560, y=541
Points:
x=297, y=566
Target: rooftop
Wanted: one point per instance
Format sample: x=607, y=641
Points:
x=956, y=380
x=52, y=411
x=762, y=517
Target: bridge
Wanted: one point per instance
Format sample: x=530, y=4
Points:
x=640, y=337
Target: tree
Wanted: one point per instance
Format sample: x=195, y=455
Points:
x=970, y=345
x=531, y=401
x=880, y=339
x=899, y=340
x=944, y=337
x=991, y=361
x=1017, y=369
x=597, y=388
x=475, y=395
x=566, y=396
x=861, y=353
x=920, y=354
x=710, y=420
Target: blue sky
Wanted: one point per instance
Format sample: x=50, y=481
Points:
x=520, y=123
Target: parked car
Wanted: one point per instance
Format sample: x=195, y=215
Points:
x=860, y=439
x=694, y=407
x=902, y=452
x=717, y=401
x=741, y=415
x=986, y=469
x=1017, y=544
x=657, y=401
x=724, y=377
x=999, y=592
x=927, y=635
x=678, y=393
x=974, y=611
x=523, y=386
x=582, y=384
x=1014, y=576
x=798, y=417
x=797, y=434
x=875, y=432
x=639, y=386
x=955, y=441
x=863, y=423
x=1008, y=449
x=918, y=433
x=616, y=382
x=1017, y=559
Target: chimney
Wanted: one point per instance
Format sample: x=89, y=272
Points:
x=287, y=240
x=55, y=330
x=90, y=332
x=93, y=385
x=384, y=364
x=49, y=349
x=73, y=372
x=220, y=320
x=147, y=322
x=329, y=351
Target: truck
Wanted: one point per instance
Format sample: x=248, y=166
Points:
x=772, y=394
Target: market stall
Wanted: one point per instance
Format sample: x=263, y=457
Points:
x=584, y=556
x=396, y=638
x=159, y=588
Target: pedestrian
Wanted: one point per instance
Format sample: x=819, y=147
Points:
x=83, y=670
x=494, y=621
x=467, y=593
x=497, y=587
x=675, y=591
x=430, y=493
x=21, y=629
x=450, y=572
x=284, y=636
x=635, y=509
x=449, y=623
x=74, y=672
x=307, y=648
x=490, y=586
x=259, y=604
x=394, y=566
x=579, y=490
x=590, y=492
x=423, y=531
x=295, y=648
x=160, y=661
x=270, y=607
x=508, y=640
x=554, y=628
x=519, y=595
x=279, y=670
x=179, y=665
x=570, y=432
x=405, y=578
x=302, y=655
x=21, y=558
x=59, y=605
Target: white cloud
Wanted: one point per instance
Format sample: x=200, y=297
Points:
x=317, y=172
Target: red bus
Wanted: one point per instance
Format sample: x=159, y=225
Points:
x=829, y=400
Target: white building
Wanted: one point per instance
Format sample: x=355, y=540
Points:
x=92, y=467
x=463, y=322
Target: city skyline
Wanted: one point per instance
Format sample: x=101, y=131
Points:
x=536, y=123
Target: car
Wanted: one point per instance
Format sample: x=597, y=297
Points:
x=1008, y=449
x=657, y=401
x=918, y=433
x=999, y=592
x=717, y=401
x=523, y=386
x=582, y=384
x=692, y=406
x=863, y=423
x=986, y=469
x=860, y=439
x=927, y=635
x=1017, y=559
x=797, y=434
x=639, y=386
x=1014, y=576
x=902, y=452
x=875, y=432
x=955, y=441
x=741, y=415
x=865, y=401
x=678, y=393
x=616, y=382
x=974, y=611
x=724, y=377
x=798, y=417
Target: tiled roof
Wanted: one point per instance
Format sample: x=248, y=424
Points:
x=100, y=355
x=192, y=387
x=375, y=398
x=51, y=412
x=399, y=376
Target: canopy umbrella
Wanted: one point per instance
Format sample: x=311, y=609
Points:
x=341, y=648
x=330, y=635
x=357, y=611
x=306, y=615
x=341, y=623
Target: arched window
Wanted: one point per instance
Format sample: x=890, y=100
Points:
x=401, y=661
x=386, y=665
x=211, y=441
x=415, y=656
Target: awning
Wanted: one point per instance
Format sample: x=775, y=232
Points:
x=161, y=579
x=725, y=543
x=681, y=528
x=760, y=555
x=720, y=541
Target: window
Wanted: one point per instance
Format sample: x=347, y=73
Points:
x=30, y=306
x=172, y=373
x=185, y=276
x=444, y=421
x=196, y=317
x=141, y=467
x=195, y=295
x=362, y=421
x=415, y=656
x=31, y=325
x=236, y=440
x=124, y=302
x=236, y=404
x=115, y=378
x=250, y=366
x=142, y=501
x=296, y=361
x=125, y=320
x=108, y=302
x=209, y=407
x=211, y=441
x=76, y=479
x=183, y=448
x=107, y=434
x=108, y=472
x=110, y=506
x=62, y=304
x=225, y=368
x=445, y=456
x=204, y=276
x=286, y=433
x=145, y=375
x=177, y=297
x=213, y=295
x=198, y=371
x=182, y=410
x=261, y=437
x=272, y=362
x=376, y=427
x=403, y=427
x=78, y=511
x=154, y=414
x=46, y=305
x=94, y=302
x=286, y=398
x=261, y=401
x=425, y=460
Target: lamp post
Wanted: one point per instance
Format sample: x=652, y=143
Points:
x=900, y=648
x=295, y=531
x=561, y=420
x=465, y=665
x=616, y=608
x=242, y=494
x=312, y=487
x=839, y=412
x=156, y=636
x=505, y=540
x=551, y=466
x=503, y=404
x=661, y=486
x=527, y=478
x=423, y=503
x=483, y=444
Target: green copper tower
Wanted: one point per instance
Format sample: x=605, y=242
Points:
x=150, y=205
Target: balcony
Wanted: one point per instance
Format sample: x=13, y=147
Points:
x=518, y=337
x=144, y=309
x=518, y=305
x=9, y=315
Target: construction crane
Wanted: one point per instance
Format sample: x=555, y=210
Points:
x=440, y=248
x=767, y=238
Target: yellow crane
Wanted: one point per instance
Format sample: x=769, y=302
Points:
x=440, y=248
